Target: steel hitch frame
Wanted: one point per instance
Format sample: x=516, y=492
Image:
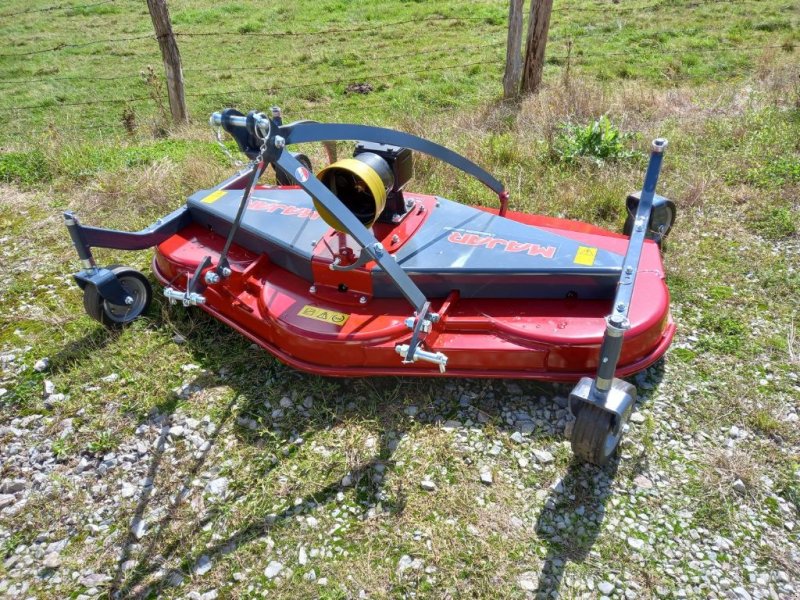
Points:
x=606, y=391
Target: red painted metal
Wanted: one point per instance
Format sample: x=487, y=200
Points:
x=555, y=340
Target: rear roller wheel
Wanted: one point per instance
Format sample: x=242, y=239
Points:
x=113, y=315
x=593, y=437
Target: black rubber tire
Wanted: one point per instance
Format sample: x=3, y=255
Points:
x=112, y=315
x=593, y=438
x=627, y=229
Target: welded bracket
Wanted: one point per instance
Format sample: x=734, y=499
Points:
x=107, y=284
x=191, y=297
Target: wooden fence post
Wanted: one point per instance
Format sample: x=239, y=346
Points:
x=513, y=50
x=538, y=25
x=172, y=59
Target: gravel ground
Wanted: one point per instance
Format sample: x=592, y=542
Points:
x=117, y=504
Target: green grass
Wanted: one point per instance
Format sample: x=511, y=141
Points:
x=662, y=44
x=688, y=71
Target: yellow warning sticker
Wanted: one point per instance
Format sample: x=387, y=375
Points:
x=321, y=314
x=214, y=196
x=585, y=256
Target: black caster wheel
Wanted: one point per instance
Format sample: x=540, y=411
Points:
x=661, y=220
x=593, y=435
x=113, y=315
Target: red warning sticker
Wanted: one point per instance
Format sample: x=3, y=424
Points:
x=301, y=174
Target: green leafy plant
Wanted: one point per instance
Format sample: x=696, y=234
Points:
x=598, y=141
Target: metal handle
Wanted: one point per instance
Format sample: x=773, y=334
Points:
x=216, y=121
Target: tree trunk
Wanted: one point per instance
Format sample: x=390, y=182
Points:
x=538, y=26
x=513, y=50
x=172, y=59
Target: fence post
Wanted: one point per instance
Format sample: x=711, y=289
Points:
x=172, y=59
x=538, y=25
x=513, y=50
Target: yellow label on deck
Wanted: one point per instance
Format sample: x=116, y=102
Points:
x=585, y=256
x=321, y=314
x=214, y=196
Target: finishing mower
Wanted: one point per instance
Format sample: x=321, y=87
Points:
x=347, y=273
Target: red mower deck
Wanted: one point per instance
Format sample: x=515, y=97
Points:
x=313, y=326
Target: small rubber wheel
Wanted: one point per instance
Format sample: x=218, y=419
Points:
x=113, y=315
x=593, y=438
x=669, y=207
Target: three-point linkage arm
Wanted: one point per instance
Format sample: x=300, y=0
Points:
x=274, y=137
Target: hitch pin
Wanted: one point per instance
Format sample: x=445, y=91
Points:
x=437, y=358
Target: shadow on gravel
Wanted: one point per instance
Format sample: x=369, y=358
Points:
x=571, y=519
x=121, y=588
x=170, y=548
x=145, y=577
x=82, y=350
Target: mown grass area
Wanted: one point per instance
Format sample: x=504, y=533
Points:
x=417, y=57
x=733, y=168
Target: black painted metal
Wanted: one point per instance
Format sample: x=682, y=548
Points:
x=296, y=133
x=76, y=234
x=98, y=237
x=106, y=282
x=258, y=168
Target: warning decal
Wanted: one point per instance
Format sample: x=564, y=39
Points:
x=214, y=196
x=585, y=256
x=321, y=314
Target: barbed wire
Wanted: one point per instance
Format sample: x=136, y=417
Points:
x=261, y=68
x=271, y=89
x=577, y=56
x=63, y=46
x=118, y=40
x=613, y=8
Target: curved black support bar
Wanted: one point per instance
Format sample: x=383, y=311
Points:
x=98, y=237
x=306, y=131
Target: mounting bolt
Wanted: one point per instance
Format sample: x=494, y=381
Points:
x=312, y=289
x=629, y=269
x=395, y=239
x=410, y=322
x=212, y=278
x=620, y=307
x=313, y=243
x=128, y=300
x=226, y=272
x=362, y=300
x=279, y=142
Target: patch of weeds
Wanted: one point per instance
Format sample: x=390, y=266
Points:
x=789, y=486
x=761, y=420
x=63, y=448
x=104, y=442
x=726, y=333
x=249, y=27
x=599, y=141
x=774, y=173
x=684, y=354
x=775, y=223
x=26, y=392
x=720, y=292
x=24, y=168
x=502, y=149
x=10, y=544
